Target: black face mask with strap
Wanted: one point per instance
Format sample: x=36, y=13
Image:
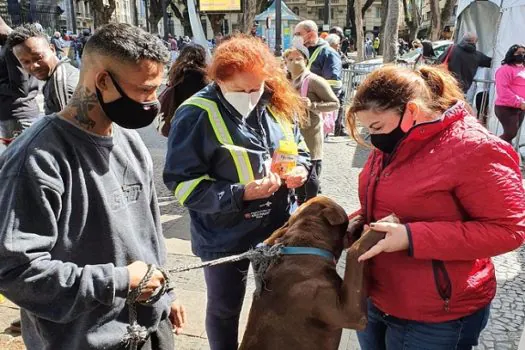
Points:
x=127, y=112
x=388, y=142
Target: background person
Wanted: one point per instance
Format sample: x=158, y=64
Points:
x=510, y=92
x=324, y=61
x=18, y=91
x=186, y=77
x=58, y=44
x=37, y=56
x=464, y=60
x=431, y=279
x=318, y=97
x=218, y=164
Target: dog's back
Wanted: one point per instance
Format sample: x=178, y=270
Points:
x=284, y=316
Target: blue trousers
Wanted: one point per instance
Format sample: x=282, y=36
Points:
x=226, y=286
x=385, y=332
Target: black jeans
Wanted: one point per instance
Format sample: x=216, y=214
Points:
x=340, y=121
x=511, y=120
x=226, y=286
x=162, y=339
x=312, y=186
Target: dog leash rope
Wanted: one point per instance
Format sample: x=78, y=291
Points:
x=261, y=257
x=137, y=334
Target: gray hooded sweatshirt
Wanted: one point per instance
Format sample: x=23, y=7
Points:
x=75, y=209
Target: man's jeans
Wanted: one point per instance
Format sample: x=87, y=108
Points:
x=385, y=332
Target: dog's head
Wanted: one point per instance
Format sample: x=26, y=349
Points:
x=320, y=223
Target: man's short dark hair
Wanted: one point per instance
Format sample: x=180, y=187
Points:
x=23, y=33
x=127, y=43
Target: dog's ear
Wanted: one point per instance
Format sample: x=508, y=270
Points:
x=334, y=216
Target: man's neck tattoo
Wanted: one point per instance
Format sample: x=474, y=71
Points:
x=84, y=101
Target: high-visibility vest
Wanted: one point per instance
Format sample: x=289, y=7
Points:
x=239, y=154
x=335, y=84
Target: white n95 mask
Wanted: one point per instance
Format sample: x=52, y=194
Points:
x=244, y=102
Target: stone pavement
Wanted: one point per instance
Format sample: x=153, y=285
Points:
x=343, y=160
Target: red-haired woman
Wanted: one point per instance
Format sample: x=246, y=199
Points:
x=218, y=164
x=457, y=190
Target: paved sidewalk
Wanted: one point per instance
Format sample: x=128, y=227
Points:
x=343, y=161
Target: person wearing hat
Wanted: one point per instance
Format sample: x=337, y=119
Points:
x=318, y=98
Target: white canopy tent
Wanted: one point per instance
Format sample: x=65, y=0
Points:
x=499, y=24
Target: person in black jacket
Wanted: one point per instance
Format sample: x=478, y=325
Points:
x=186, y=77
x=18, y=90
x=464, y=60
x=188, y=74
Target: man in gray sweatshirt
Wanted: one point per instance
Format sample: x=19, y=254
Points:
x=38, y=58
x=79, y=218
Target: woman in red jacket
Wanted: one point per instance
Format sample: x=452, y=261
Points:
x=457, y=190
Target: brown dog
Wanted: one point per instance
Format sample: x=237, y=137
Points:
x=304, y=303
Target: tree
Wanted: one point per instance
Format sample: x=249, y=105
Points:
x=446, y=11
x=358, y=29
x=251, y=9
x=413, y=19
x=350, y=15
x=101, y=12
x=384, y=11
x=156, y=12
x=180, y=11
x=435, y=20
x=439, y=17
x=391, y=32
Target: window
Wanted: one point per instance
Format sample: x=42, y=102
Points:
x=296, y=10
x=455, y=10
x=428, y=15
x=378, y=12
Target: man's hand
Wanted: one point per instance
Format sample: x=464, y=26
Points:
x=262, y=188
x=296, y=178
x=396, y=239
x=522, y=107
x=137, y=271
x=178, y=317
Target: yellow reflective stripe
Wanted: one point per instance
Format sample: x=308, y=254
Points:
x=335, y=83
x=184, y=189
x=239, y=154
x=286, y=128
x=314, y=56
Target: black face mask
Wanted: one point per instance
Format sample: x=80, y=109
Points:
x=127, y=112
x=387, y=142
x=519, y=58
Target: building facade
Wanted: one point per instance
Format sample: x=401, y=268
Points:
x=314, y=10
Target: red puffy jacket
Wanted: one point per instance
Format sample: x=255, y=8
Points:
x=459, y=191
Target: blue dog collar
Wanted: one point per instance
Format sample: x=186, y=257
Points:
x=308, y=251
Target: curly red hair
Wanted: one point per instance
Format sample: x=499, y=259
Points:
x=242, y=53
